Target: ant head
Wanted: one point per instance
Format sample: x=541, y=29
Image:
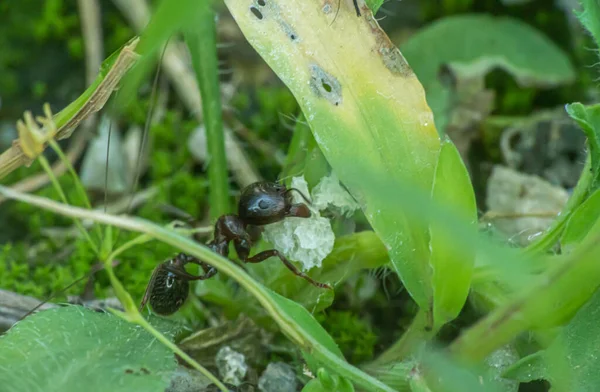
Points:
x=262, y=203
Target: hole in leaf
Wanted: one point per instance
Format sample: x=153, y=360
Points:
x=262, y=3
x=326, y=86
x=256, y=13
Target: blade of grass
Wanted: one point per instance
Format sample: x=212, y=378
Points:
x=201, y=39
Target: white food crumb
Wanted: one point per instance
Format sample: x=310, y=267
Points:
x=310, y=240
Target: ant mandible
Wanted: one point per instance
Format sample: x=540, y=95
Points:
x=261, y=203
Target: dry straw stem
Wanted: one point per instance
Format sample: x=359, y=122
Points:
x=92, y=33
x=15, y=157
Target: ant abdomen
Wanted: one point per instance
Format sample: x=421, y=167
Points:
x=168, y=291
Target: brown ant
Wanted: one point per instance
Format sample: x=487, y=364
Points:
x=261, y=203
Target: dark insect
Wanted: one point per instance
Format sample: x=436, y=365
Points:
x=260, y=204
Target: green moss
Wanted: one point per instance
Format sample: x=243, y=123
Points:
x=353, y=334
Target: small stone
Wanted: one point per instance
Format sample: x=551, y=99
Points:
x=231, y=365
x=187, y=380
x=520, y=197
x=278, y=377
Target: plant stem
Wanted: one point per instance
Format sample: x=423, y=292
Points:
x=202, y=42
x=63, y=197
x=78, y=186
x=551, y=300
x=545, y=242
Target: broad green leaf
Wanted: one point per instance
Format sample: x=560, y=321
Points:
x=478, y=44
x=588, y=118
x=590, y=18
x=76, y=349
x=308, y=323
x=530, y=368
x=581, y=222
x=573, y=360
x=370, y=112
x=451, y=263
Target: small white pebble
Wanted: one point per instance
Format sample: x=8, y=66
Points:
x=232, y=365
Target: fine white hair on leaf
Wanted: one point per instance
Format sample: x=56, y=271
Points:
x=310, y=240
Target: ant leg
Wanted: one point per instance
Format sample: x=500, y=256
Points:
x=257, y=258
x=299, y=211
x=149, y=287
x=356, y=7
x=209, y=272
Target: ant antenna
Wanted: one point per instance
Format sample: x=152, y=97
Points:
x=94, y=269
x=147, y=124
x=300, y=193
x=144, y=133
x=336, y=12
x=356, y=8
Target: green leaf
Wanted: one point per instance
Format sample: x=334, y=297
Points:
x=374, y=5
x=581, y=222
x=573, y=359
x=442, y=374
x=373, y=112
x=307, y=322
x=480, y=43
x=451, y=264
x=530, y=368
x=326, y=382
x=590, y=18
x=588, y=118
x=201, y=39
x=169, y=17
x=304, y=157
x=395, y=374
x=73, y=349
